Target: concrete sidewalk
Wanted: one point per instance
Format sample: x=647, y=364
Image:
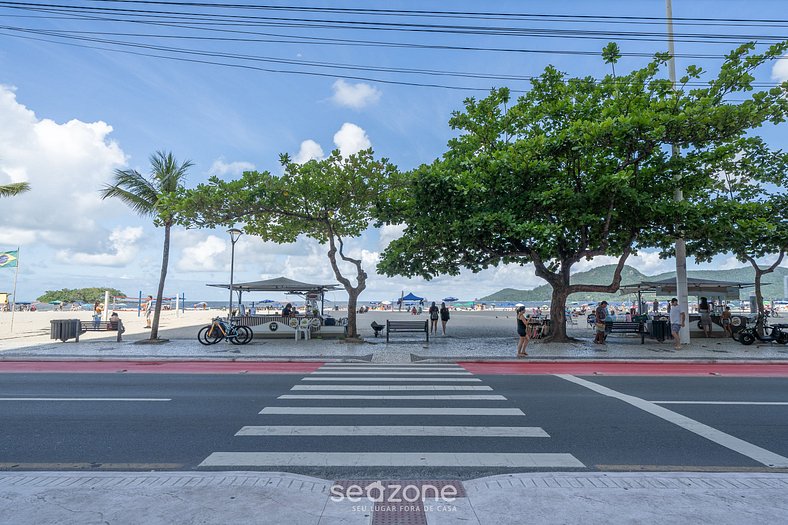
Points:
x=278, y=498
x=405, y=348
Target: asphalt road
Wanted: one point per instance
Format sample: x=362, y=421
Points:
x=180, y=421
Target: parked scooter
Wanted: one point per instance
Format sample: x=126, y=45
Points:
x=777, y=333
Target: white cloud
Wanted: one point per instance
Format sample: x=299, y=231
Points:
x=309, y=150
x=780, y=69
x=354, y=96
x=123, y=247
x=222, y=168
x=351, y=139
x=203, y=256
x=388, y=233
x=65, y=164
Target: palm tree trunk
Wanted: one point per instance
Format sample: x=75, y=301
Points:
x=165, y=259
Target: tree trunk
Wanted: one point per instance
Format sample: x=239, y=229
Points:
x=352, y=291
x=165, y=259
x=352, y=308
x=759, y=273
x=558, y=312
x=759, y=300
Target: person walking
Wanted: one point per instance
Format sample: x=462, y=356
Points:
x=677, y=319
x=522, y=331
x=148, y=311
x=433, y=311
x=705, y=316
x=601, y=315
x=444, y=311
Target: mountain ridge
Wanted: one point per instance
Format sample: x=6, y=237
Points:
x=604, y=274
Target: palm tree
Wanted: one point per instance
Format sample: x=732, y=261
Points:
x=147, y=196
x=9, y=190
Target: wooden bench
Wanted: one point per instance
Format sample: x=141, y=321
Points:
x=102, y=326
x=407, y=326
x=632, y=327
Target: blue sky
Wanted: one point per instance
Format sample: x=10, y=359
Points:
x=75, y=104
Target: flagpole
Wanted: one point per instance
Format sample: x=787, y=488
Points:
x=13, y=305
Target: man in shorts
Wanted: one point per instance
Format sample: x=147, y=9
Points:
x=677, y=319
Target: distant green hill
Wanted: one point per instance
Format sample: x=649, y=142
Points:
x=604, y=274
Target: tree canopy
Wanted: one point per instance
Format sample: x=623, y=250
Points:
x=329, y=200
x=573, y=169
x=745, y=211
x=82, y=295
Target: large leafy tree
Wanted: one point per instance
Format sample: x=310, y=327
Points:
x=746, y=212
x=152, y=196
x=15, y=188
x=573, y=169
x=329, y=200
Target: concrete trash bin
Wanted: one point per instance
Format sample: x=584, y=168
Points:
x=64, y=329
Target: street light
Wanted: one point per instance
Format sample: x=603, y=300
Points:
x=235, y=233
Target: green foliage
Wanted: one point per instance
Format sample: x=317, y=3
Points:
x=82, y=295
x=327, y=200
x=573, y=169
x=9, y=190
x=151, y=195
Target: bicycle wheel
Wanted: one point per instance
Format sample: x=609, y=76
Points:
x=243, y=334
x=209, y=335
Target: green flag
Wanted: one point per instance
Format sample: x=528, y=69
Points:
x=8, y=259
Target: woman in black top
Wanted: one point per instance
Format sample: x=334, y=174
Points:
x=433, y=311
x=522, y=331
x=444, y=316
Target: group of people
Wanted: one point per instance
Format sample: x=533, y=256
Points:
x=436, y=313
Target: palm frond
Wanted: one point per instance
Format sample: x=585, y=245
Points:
x=9, y=190
x=166, y=171
x=133, y=189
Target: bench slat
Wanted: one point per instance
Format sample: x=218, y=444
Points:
x=407, y=326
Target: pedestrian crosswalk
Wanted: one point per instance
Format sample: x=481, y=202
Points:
x=430, y=412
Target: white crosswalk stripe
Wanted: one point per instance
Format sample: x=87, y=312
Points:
x=409, y=379
x=393, y=411
x=391, y=430
x=391, y=459
x=336, y=385
x=392, y=388
x=455, y=397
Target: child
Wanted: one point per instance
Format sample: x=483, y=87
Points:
x=726, y=321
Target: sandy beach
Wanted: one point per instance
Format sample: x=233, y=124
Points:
x=33, y=327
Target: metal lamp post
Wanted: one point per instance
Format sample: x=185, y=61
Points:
x=235, y=234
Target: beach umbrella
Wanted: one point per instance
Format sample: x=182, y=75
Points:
x=518, y=305
x=449, y=299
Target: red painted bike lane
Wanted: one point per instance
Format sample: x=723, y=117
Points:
x=476, y=367
x=160, y=367
x=627, y=368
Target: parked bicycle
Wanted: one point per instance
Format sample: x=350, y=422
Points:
x=221, y=329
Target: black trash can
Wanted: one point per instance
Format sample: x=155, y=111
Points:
x=659, y=329
x=64, y=329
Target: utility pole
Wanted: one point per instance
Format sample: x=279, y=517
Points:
x=681, y=247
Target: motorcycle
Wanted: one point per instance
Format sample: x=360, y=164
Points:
x=777, y=333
